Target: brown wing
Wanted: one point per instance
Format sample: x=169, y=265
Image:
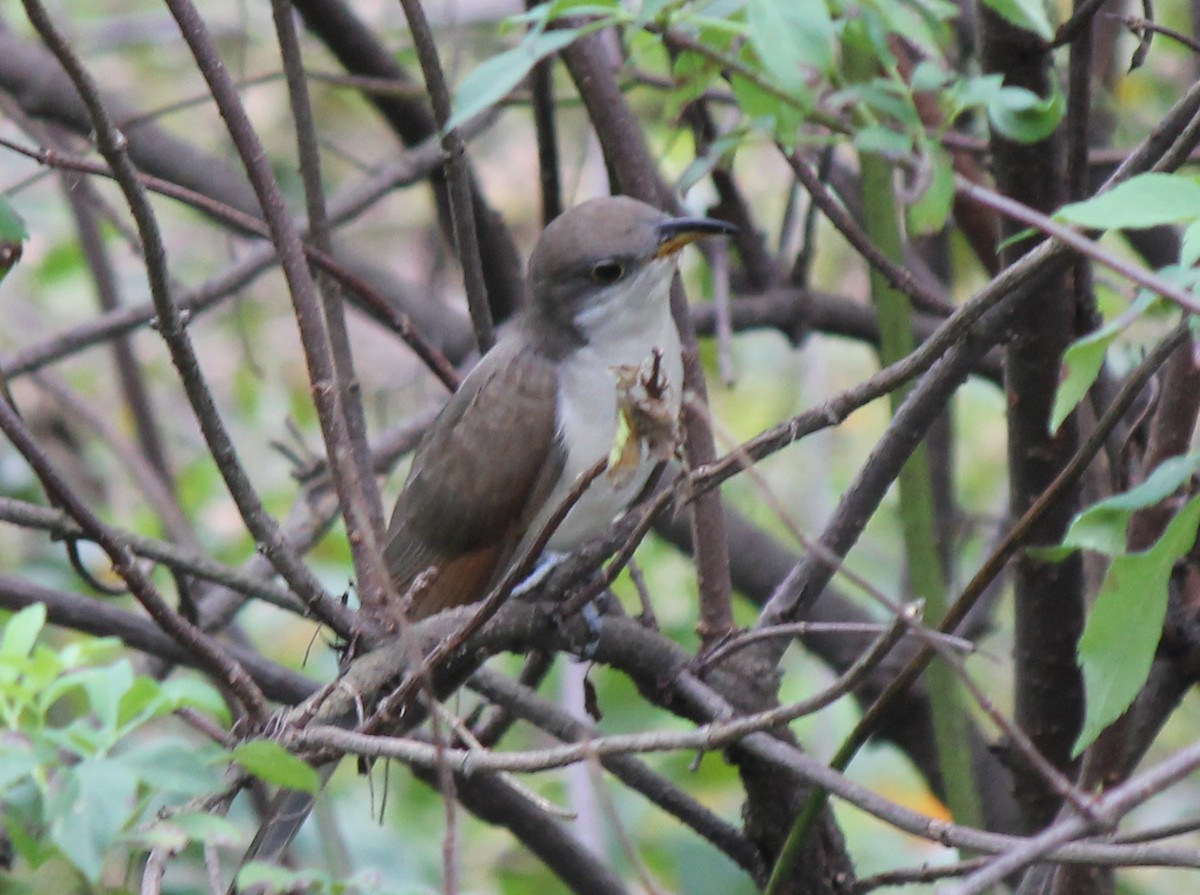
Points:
x=466, y=501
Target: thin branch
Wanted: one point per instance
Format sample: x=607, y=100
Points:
x=374, y=585
x=59, y=525
x=626, y=768
x=896, y=276
x=359, y=465
x=210, y=653
x=1078, y=242
x=351, y=203
x=462, y=205
x=112, y=145
x=1081, y=19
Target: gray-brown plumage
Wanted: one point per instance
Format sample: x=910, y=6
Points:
x=466, y=524
x=541, y=407
x=537, y=410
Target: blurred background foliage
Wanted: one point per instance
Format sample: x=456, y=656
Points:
x=251, y=356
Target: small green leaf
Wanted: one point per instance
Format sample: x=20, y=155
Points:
x=106, y=688
x=559, y=8
x=1102, y=526
x=22, y=630
x=173, y=765
x=1146, y=200
x=791, y=39
x=888, y=100
x=648, y=11
x=883, y=141
x=12, y=228
x=493, y=79
x=1028, y=14
x=929, y=76
x=1167, y=478
x=974, y=92
x=193, y=692
x=693, y=73
x=719, y=152
x=1053, y=553
x=1083, y=360
x=930, y=211
x=181, y=829
x=1189, y=250
x=1019, y=237
x=281, y=879
x=921, y=24
x=269, y=761
x=1023, y=116
x=16, y=763
x=97, y=799
x=205, y=827
x=1122, y=632
x=141, y=702
x=1081, y=363
x=770, y=111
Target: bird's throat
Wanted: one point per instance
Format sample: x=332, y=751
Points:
x=587, y=416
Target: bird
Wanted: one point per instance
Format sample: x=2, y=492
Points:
x=595, y=340
x=544, y=405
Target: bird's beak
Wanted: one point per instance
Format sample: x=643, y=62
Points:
x=674, y=234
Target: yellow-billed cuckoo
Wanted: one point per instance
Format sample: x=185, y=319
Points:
x=538, y=410
x=540, y=407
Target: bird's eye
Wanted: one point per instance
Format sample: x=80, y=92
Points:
x=607, y=272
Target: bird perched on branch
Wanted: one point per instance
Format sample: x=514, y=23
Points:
x=590, y=369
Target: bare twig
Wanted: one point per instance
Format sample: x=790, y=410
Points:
x=111, y=144
x=462, y=204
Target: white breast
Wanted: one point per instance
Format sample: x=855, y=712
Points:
x=587, y=411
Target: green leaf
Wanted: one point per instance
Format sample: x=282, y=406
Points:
x=692, y=72
x=791, y=37
x=493, y=79
x=106, y=688
x=141, y=702
x=280, y=879
x=1023, y=116
x=269, y=761
x=888, y=99
x=648, y=11
x=1081, y=365
x=769, y=110
x=180, y=829
x=12, y=228
x=1146, y=200
x=922, y=24
x=1189, y=250
x=1167, y=478
x=22, y=630
x=1102, y=527
x=1124, y=627
x=1028, y=14
x=970, y=93
x=202, y=826
x=1083, y=360
x=930, y=211
x=719, y=152
x=16, y=763
x=173, y=765
x=87, y=815
x=929, y=76
x=882, y=141
x=193, y=692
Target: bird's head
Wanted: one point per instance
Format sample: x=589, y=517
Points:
x=606, y=255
